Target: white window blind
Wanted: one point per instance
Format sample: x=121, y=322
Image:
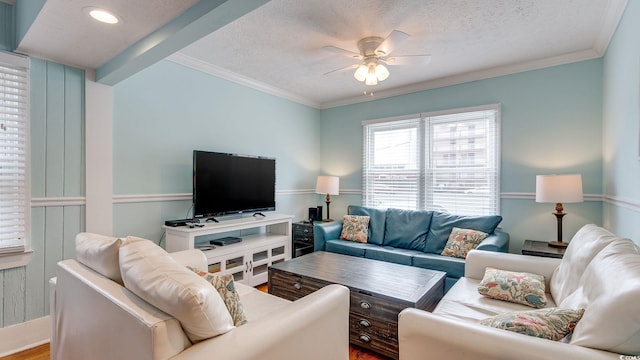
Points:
x=447, y=162
x=14, y=184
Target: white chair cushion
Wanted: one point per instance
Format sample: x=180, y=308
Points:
x=584, y=245
x=150, y=272
x=100, y=253
x=609, y=291
x=463, y=302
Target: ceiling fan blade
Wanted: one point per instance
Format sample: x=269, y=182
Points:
x=408, y=60
x=342, y=69
x=391, y=42
x=340, y=51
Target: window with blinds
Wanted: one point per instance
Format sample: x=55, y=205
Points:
x=447, y=161
x=14, y=129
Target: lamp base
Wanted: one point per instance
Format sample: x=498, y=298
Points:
x=327, y=220
x=558, y=244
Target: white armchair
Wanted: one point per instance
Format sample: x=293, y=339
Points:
x=95, y=317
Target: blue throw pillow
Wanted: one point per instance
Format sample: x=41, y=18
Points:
x=443, y=223
x=376, y=221
x=407, y=229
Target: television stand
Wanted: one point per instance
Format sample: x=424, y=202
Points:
x=267, y=241
x=259, y=214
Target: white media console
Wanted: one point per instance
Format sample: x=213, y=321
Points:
x=267, y=241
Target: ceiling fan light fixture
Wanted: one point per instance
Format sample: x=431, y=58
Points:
x=372, y=78
x=361, y=73
x=381, y=72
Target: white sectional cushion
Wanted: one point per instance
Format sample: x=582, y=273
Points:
x=100, y=253
x=609, y=291
x=463, y=302
x=150, y=272
x=584, y=245
x=258, y=304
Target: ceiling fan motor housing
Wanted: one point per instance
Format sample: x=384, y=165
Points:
x=368, y=46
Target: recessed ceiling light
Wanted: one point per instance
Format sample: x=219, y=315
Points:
x=101, y=15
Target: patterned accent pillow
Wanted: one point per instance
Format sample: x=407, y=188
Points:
x=461, y=241
x=550, y=323
x=355, y=228
x=227, y=290
x=517, y=287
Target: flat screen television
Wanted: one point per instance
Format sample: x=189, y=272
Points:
x=226, y=184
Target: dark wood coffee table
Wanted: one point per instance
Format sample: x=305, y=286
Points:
x=379, y=291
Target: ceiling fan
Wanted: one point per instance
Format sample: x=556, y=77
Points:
x=375, y=53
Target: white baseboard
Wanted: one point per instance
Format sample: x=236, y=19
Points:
x=19, y=337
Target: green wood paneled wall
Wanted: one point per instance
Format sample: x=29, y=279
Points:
x=57, y=171
x=7, y=27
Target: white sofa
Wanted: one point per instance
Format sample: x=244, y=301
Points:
x=95, y=317
x=600, y=272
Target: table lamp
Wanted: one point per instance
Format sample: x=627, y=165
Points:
x=329, y=185
x=559, y=189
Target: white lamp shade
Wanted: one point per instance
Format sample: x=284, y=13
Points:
x=361, y=73
x=328, y=185
x=381, y=72
x=559, y=188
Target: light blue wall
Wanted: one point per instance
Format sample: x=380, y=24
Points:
x=166, y=111
x=621, y=117
x=57, y=171
x=551, y=123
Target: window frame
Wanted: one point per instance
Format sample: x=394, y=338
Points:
x=425, y=140
x=22, y=257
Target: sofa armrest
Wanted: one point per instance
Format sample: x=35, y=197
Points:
x=421, y=332
x=478, y=260
x=96, y=318
x=323, y=231
x=291, y=332
x=498, y=241
x=192, y=257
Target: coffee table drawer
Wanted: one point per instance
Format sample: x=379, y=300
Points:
x=377, y=308
x=292, y=287
x=380, y=336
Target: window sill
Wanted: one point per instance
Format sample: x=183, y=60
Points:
x=9, y=261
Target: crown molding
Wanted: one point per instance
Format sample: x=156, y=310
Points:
x=196, y=64
x=469, y=77
x=613, y=14
x=210, y=69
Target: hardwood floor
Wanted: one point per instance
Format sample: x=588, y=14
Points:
x=42, y=352
x=37, y=353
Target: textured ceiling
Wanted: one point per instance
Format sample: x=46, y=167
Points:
x=278, y=47
x=280, y=43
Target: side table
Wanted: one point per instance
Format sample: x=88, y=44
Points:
x=541, y=248
x=302, y=238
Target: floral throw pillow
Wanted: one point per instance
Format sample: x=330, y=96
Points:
x=550, y=323
x=355, y=228
x=226, y=288
x=516, y=287
x=461, y=241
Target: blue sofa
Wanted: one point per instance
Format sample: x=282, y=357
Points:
x=411, y=237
